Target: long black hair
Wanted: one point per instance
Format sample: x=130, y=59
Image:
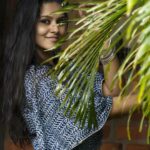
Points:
x=18, y=55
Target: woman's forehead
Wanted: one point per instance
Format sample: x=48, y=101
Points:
x=48, y=9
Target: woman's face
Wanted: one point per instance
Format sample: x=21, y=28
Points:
x=50, y=27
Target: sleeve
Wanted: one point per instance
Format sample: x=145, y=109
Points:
x=31, y=113
x=103, y=104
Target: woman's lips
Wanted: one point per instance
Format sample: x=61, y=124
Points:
x=53, y=39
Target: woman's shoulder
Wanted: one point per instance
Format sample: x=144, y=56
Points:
x=36, y=70
x=34, y=73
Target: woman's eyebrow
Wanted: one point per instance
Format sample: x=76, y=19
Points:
x=45, y=16
x=49, y=16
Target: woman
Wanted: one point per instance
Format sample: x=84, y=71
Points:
x=30, y=108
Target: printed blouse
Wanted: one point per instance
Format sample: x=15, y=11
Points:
x=49, y=128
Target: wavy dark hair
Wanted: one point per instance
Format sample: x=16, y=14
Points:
x=18, y=55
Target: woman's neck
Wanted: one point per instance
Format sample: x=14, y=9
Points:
x=41, y=56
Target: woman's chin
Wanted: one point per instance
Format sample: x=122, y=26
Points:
x=50, y=47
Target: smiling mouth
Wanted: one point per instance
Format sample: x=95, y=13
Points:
x=53, y=39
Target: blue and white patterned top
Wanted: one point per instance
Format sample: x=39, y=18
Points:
x=48, y=127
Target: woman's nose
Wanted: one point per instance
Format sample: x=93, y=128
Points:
x=54, y=27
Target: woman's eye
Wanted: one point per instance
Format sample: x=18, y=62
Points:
x=45, y=21
x=62, y=22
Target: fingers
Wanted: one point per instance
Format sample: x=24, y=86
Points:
x=84, y=7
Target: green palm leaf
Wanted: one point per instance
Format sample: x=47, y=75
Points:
x=78, y=64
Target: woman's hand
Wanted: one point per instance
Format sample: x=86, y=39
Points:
x=84, y=7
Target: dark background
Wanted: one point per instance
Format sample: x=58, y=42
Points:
x=7, y=8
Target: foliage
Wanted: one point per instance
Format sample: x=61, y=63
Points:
x=81, y=58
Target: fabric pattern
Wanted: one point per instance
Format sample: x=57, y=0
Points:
x=48, y=127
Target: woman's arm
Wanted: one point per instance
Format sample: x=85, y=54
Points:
x=110, y=69
x=123, y=105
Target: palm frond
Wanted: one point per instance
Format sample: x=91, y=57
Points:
x=78, y=64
